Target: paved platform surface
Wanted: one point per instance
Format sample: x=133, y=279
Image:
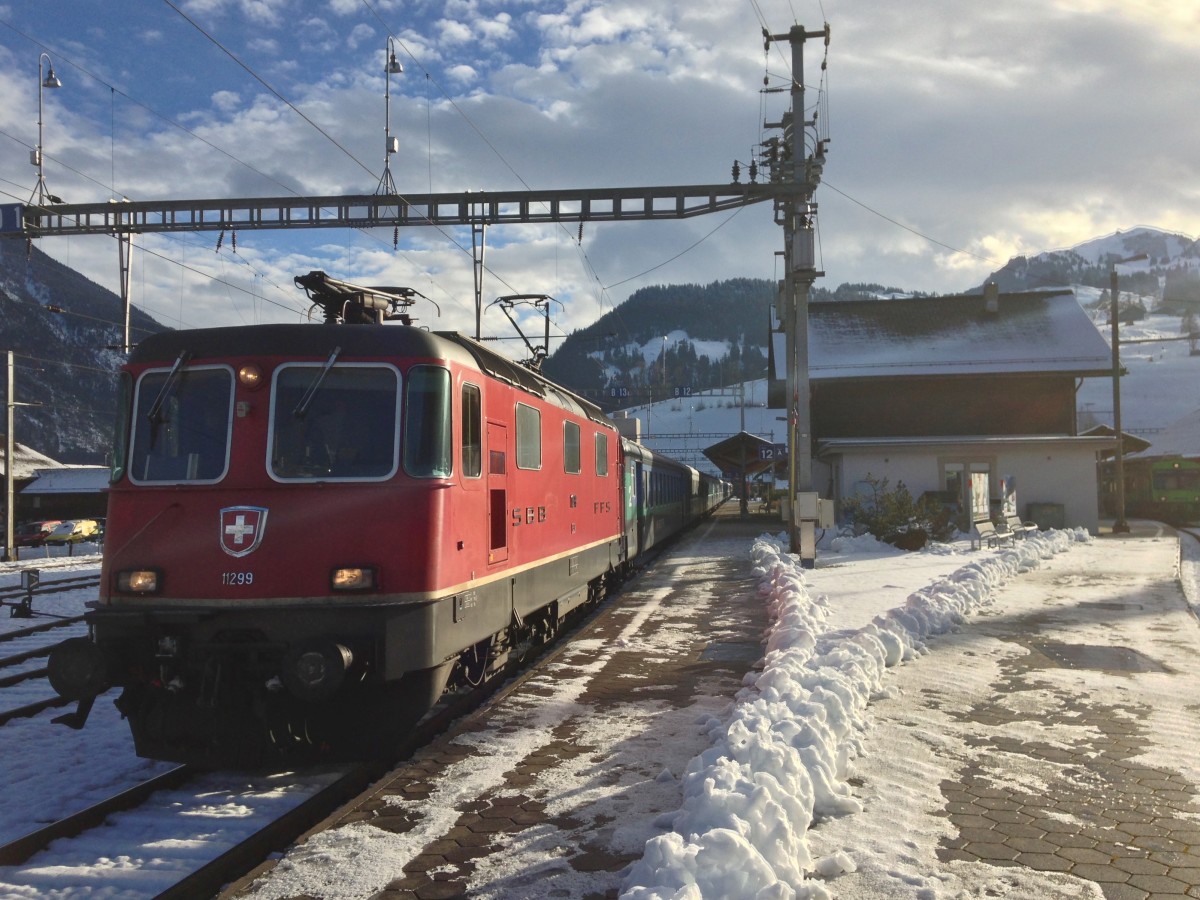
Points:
x=1126, y=829
x=1103, y=813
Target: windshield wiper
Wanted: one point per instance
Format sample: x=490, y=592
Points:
x=155, y=411
x=306, y=401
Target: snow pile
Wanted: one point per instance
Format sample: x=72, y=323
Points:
x=782, y=758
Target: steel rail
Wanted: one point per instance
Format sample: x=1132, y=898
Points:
x=16, y=852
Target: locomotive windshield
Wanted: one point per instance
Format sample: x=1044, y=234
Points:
x=334, y=421
x=181, y=421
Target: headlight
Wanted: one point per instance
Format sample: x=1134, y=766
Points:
x=353, y=578
x=138, y=581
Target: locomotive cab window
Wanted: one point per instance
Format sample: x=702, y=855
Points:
x=181, y=424
x=337, y=422
x=121, y=428
x=427, y=435
x=472, y=431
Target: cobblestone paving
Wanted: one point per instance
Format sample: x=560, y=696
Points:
x=1132, y=829
x=722, y=648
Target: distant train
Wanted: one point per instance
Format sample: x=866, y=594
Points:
x=1166, y=489
x=314, y=530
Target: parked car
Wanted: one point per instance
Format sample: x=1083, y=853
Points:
x=72, y=531
x=33, y=534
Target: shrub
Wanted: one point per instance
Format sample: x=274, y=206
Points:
x=894, y=517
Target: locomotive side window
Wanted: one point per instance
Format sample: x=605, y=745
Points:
x=472, y=436
x=427, y=436
x=335, y=423
x=529, y=437
x=571, y=448
x=181, y=425
x=601, y=453
x=121, y=434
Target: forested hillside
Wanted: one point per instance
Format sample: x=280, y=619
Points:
x=669, y=336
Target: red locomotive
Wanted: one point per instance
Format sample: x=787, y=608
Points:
x=313, y=530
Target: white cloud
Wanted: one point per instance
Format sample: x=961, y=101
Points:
x=463, y=74
x=1013, y=128
x=453, y=32
x=226, y=101
x=359, y=34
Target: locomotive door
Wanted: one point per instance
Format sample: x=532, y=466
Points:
x=497, y=477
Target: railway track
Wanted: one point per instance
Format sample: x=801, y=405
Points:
x=27, y=645
x=178, y=798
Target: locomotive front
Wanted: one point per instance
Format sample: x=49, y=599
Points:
x=271, y=571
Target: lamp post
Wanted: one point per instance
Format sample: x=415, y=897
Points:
x=1120, y=526
x=49, y=81
x=391, y=144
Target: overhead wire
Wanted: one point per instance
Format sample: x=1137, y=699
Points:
x=64, y=58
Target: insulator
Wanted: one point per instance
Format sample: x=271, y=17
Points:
x=737, y=171
x=395, y=237
x=233, y=240
x=220, y=240
x=753, y=171
x=580, y=241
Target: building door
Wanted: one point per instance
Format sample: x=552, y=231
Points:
x=958, y=477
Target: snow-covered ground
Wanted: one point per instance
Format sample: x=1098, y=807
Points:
x=855, y=644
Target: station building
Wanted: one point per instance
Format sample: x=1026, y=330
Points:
x=944, y=392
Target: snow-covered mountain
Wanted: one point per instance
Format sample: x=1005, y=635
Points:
x=707, y=339
x=65, y=332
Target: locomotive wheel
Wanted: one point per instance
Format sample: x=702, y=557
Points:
x=366, y=721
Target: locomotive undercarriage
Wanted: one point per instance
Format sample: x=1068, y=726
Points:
x=232, y=690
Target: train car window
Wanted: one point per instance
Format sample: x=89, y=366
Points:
x=121, y=433
x=529, y=437
x=348, y=430
x=181, y=425
x=472, y=436
x=1176, y=480
x=427, y=436
x=571, y=463
x=601, y=453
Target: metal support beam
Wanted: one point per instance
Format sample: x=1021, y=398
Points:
x=376, y=211
x=478, y=245
x=9, y=493
x=125, y=261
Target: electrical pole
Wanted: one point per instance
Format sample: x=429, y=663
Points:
x=802, y=167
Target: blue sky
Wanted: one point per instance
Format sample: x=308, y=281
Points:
x=961, y=135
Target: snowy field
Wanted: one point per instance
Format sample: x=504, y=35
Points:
x=855, y=644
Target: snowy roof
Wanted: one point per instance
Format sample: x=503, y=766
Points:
x=1034, y=332
x=1180, y=438
x=69, y=480
x=26, y=461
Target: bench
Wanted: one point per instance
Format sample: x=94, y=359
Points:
x=983, y=531
x=1016, y=527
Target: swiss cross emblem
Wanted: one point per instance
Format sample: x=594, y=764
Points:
x=242, y=529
